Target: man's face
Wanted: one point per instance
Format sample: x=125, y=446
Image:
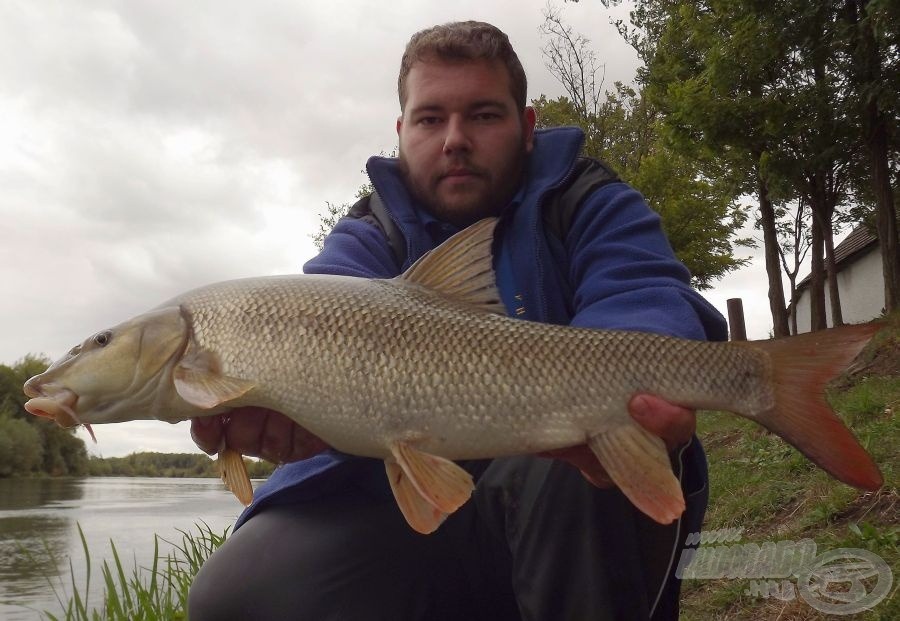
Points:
x=463, y=141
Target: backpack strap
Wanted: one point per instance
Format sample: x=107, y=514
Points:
x=559, y=210
x=561, y=206
x=371, y=209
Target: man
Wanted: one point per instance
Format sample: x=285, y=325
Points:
x=324, y=538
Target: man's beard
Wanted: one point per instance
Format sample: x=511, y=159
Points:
x=500, y=188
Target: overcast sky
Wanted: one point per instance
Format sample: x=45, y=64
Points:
x=147, y=147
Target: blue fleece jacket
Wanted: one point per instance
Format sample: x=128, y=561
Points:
x=614, y=269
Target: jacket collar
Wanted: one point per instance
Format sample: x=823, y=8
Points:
x=553, y=156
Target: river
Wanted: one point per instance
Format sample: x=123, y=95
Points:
x=39, y=521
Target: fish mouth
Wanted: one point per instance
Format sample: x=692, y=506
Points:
x=59, y=407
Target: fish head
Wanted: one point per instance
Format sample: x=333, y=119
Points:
x=115, y=375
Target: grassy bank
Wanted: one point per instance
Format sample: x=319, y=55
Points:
x=154, y=593
x=769, y=490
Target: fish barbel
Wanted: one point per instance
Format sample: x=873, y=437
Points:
x=426, y=368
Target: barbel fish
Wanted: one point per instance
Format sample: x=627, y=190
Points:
x=426, y=368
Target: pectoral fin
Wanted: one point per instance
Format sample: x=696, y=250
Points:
x=235, y=476
x=199, y=381
x=438, y=482
x=637, y=462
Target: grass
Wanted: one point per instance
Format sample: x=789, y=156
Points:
x=760, y=483
x=155, y=593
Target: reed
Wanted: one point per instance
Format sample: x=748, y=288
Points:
x=155, y=593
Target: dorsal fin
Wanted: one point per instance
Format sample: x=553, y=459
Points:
x=461, y=268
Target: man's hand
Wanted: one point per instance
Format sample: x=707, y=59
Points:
x=257, y=432
x=673, y=423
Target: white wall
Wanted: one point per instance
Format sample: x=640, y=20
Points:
x=861, y=286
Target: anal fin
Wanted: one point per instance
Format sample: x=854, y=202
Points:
x=235, y=476
x=637, y=462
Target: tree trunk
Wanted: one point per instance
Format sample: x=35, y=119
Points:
x=793, y=314
x=822, y=186
x=773, y=263
x=834, y=293
x=823, y=213
x=875, y=128
x=817, y=318
x=886, y=215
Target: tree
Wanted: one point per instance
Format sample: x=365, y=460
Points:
x=570, y=59
x=329, y=218
x=794, y=240
x=60, y=451
x=21, y=451
x=784, y=84
x=712, y=73
x=872, y=36
x=695, y=197
x=334, y=212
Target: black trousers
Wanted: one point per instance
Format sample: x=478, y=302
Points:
x=536, y=542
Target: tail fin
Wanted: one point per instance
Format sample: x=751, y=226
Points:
x=801, y=367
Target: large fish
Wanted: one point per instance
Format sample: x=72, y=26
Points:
x=426, y=368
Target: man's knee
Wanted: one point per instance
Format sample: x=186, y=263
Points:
x=344, y=557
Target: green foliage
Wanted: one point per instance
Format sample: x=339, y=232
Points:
x=327, y=220
x=30, y=445
x=64, y=452
x=778, y=92
x=40, y=445
x=699, y=215
x=334, y=212
x=149, y=464
x=178, y=465
x=155, y=593
x=21, y=450
x=12, y=399
x=695, y=195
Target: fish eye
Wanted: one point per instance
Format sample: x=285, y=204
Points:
x=103, y=338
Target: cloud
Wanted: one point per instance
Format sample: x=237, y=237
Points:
x=123, y=439
x=149, y=147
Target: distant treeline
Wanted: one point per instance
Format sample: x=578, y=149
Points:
x=167, y=465
x=30, y=445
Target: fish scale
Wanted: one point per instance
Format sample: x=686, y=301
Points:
x=463, y=384
x=426, y=368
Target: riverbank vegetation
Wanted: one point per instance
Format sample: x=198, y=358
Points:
x=33, y=446
x=30, y=445
x=167, y=465
x=155, y=593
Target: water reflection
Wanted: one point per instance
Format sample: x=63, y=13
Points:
x=39, y=537
x=18, y=494
x=31, y=547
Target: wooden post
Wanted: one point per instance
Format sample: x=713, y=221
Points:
x=736, y=327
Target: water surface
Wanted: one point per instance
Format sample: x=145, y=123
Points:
x=39, y=531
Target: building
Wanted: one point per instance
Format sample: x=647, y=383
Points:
x=860, y=281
